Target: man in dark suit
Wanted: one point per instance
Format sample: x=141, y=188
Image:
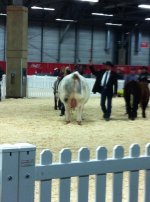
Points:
x=106, y=84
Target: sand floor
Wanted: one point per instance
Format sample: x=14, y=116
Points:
x=35, y=121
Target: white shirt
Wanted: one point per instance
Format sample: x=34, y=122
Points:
x=107, y=73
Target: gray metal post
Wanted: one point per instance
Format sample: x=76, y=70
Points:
x=17, y=168
x=8, y=173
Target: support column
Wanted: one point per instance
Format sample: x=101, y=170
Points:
x=17, y=32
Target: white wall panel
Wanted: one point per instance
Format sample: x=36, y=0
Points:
x=84, y=44
x=50, y=43
x=100, y=55
x=34, y=43
x=68, y=45
x=141, y=57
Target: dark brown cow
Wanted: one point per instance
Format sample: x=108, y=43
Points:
x=144, y=97
x=132, y=96
x=136, y=93
x=57, y=102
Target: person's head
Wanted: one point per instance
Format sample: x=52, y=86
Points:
x=56, y=71
x=144, y=69
x=133, y=70
x=108, y=65
x=67, y=70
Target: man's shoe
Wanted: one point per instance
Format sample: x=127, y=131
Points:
x=104, y=116
x=107, y=119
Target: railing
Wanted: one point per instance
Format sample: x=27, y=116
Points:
x=18, y=173
x=42, y=86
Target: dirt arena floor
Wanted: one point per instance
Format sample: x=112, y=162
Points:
x=35, y=121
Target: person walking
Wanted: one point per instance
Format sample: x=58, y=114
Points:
x=106, y=84
x=132, y=76
x=144, y=76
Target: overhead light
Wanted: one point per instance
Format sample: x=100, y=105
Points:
x=49, y=9
x=36, y=7
x=3, y=14
x=40, y=8
x=147, y=18
x=65, y=20
x=102, y=14
x=95, y=1
x=113, y=24
x=144, y=6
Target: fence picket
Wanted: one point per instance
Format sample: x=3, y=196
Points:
x=26, y=172
x=118, y=153
x=100, y=195
x=83, y=181
x=9, y=156
x=147, y=177
x=45, y=186
x=64, y=186
x=134, y=175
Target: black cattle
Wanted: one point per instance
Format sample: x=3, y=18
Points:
x=132, y=95
x=57, y=102
x=144, y=97
x=136, y=93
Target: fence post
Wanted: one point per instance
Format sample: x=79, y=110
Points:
x=26, y=180
x=17, y=168
x=8, y=173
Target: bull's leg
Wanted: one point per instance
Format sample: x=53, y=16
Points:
x=143, y=113
x=79, y=114
x=143, y=106
x=128, y=106
x=144, y=103
x=62, y=108
x=135, y=107
x=67, y=114
x=55, y=102
x=59, y=104
x=0, y=93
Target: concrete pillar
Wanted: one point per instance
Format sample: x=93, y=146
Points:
x=17, y=32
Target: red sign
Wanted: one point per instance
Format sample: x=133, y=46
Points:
x=144, y=45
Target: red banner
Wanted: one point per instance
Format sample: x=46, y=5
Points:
x=49, y=68
x=3, y=65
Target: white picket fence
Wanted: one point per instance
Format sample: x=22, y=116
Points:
x=18, y=173
x=42, y=86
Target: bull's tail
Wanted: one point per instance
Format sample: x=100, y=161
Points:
x=77, y=88
x=76, y=78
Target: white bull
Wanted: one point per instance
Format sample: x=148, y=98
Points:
x=74, y=92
